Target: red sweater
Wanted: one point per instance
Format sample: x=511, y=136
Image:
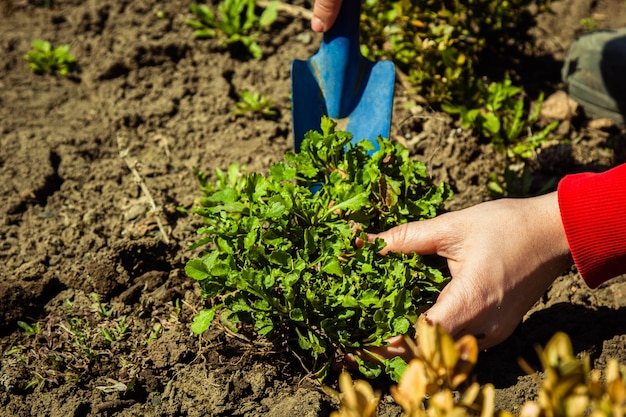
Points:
x=593, y=208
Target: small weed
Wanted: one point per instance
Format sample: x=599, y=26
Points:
x=64, y=348
x=118, y=333
x=154, y=334
x=43, y=58
x=589, y=23
x=235, y=22
x=255, y=103
x=35, y=382
x=102, y=310
x=175, y=314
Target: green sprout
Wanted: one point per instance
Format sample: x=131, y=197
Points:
x=43, y=58
x=235, y=22
x=254, y=103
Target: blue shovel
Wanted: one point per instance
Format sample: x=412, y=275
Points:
x=340, y=83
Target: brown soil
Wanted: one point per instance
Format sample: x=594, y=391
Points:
x=74, y=221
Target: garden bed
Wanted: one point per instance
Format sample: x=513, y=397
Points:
x=150, y=101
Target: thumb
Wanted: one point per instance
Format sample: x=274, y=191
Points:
x=449, y=314
x=451, y=311
x=419, y=237
x=324, y=14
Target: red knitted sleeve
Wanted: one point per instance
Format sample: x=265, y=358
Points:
x=593, y=208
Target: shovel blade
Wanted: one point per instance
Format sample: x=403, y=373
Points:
x=365, y=109
x=338, y=82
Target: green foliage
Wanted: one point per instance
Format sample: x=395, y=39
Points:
x=501, y=116
x=43, y=58
x=438, y=43
x=254, y=103
x=284, y=258
x=235, y=22
x=102, y=310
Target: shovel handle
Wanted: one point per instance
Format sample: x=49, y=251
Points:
x=346, y=27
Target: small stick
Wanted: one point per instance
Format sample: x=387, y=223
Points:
x=291, y=9
x=132, y=165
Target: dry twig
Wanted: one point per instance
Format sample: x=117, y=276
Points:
x=132, y=165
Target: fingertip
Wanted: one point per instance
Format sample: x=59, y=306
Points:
x=317, y=25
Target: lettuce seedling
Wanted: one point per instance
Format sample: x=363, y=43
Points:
x=280, y=250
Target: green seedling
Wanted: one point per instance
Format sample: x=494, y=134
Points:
x=255, y=103
x=99, y=307
x=498, y=113
x=284, y=258
x=44, y=59
x=154, y=333
x=235, y=22
x=67, y=347
x=118, y=333
x=33, y=330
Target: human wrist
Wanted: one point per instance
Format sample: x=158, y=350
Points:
x=546, y=216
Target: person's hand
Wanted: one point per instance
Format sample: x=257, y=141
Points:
x=324, y=14
x=502, y=255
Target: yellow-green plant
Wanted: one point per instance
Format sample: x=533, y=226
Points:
x=43, y=58
x=358, y=399
x=440, y=373
x=254, y=102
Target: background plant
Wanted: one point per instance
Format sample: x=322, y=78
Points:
x=43, y=58
x=503, y=118
x=235, y=22
x=255, y=103
x=89, y=336
x=284, y=258
x=439, y=44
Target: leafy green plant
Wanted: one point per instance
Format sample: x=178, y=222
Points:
x=439, y=44
x=43, y=58
x=254, y=103
x=235, y=22
x=97, y=305
x=501, y=116
x=280, y=250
